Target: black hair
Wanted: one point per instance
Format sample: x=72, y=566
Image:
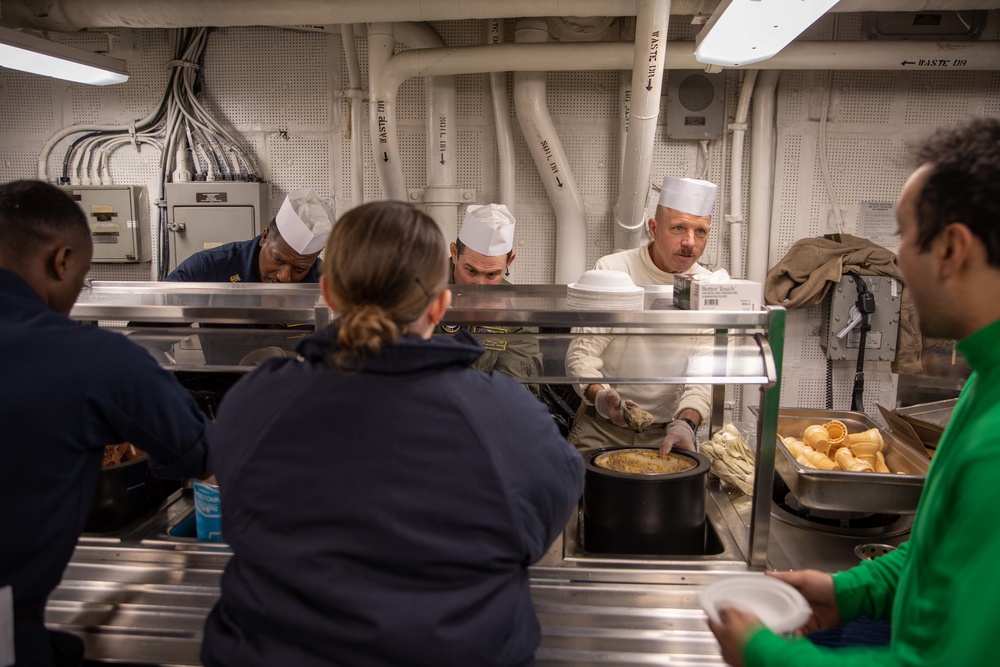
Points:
x=964, y=183
x=460, y=248
x=35, y=214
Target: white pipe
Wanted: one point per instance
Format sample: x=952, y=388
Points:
x=71, y=15
x=382, y=112
x=501, y=118
x=626, y=34
x=354, y=122
x=647, y=79
x=440, y=196
x=550, y=159
x=735, y=215
x=762, y=150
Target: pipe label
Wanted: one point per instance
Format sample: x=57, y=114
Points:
x=442, y=136
x=936, y=62
x=383, y=137
x=553, y=167
x=654, y=57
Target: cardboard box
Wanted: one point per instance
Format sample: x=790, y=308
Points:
x=735, y=294
x=920, y=425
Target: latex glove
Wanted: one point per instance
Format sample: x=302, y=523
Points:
x=608, y=404
x=679, y=435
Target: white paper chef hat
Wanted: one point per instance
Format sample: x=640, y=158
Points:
x=688, y=195
x=488, y=229
x=305, y=221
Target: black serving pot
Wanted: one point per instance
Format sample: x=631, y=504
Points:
x=125, y=492
x=629, y=513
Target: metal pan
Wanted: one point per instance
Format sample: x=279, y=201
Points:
x=894, y=493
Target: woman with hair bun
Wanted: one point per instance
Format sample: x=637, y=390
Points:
x=382, y=499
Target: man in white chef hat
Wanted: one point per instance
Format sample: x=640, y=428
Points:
x=482, y=255
x=484, y=250
x=678, y=235
x=286, y=252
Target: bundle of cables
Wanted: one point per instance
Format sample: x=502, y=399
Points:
x=192, y=144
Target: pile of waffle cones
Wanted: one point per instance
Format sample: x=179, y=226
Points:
x=831, y=447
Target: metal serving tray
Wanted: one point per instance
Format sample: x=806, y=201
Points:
x=894, y=493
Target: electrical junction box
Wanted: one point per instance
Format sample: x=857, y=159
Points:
x=206, y=214
x=118, y=216
x=880, y=342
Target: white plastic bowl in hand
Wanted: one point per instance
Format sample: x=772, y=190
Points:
x=604, y=280
x=777, y=604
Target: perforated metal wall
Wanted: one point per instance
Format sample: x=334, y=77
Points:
x=279, y=90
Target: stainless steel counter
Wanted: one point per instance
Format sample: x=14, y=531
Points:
x=142, y=595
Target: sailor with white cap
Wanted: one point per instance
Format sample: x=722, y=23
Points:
x=484, y=251
x=482, y=255
x=678, y=232
x=286, y=252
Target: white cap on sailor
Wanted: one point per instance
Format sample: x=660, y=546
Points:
x=688, y=195
x=488, y=229
x=305, y=221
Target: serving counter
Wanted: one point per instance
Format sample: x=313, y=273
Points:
x=141, y=594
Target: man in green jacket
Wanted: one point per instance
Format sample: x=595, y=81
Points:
x=941, y=589
x=482, y=255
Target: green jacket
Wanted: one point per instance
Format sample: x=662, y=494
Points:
x=941, y=589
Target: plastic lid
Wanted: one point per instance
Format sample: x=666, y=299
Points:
x=777, y=604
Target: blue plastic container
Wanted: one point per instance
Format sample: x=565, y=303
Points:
x=207, y=511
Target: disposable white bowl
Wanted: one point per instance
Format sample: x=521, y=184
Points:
x=777, y=604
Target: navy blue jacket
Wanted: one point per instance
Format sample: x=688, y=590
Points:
x=230, y=263
x=66, y=391
x=384, y=516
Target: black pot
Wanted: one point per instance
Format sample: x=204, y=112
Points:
x=125, y=492
x=628, y=513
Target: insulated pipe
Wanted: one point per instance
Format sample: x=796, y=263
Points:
x=440, y=199
x=71, y=15
x=501, y=119
x=354, y=121
x=550, y=159
x=735, y=215
x=762, y=151
x=626, y=34
x=382, y=112
x=647, y=79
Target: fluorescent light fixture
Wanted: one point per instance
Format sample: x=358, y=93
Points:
x=28, y=53
x=741, y=32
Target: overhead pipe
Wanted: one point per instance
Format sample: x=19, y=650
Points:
x=897, y=55
x=763, y=135
x=441, y=198
x=501, y=119
x=647, y=80
x=735, y=216
x=71, y=15
x=355, y=94
x=550, y=159
x=382, y=112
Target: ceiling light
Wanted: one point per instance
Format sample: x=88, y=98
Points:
x=28, y=53
x=741, y=32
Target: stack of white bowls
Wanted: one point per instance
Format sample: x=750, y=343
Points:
x=601, y=289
